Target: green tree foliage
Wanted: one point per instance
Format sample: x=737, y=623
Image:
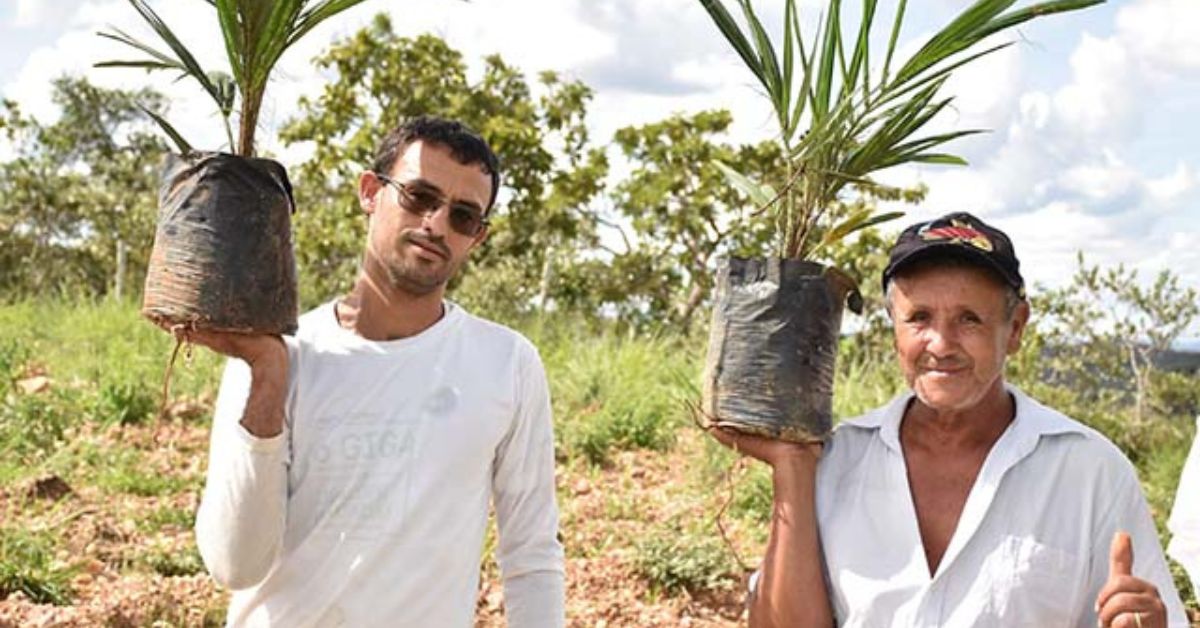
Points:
x=1093, y=351
x=76, y=188
x=380, y=78
x=673, y=215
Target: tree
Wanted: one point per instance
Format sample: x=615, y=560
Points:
x=1106, y=331
x=380, y=79
x=676, y=213
x=77, y=189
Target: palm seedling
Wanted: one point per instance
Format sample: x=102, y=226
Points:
x=222, y=256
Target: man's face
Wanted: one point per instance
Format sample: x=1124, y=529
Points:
x=952, y=335
x=418, y=254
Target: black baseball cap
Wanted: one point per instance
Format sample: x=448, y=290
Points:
x=958, y=235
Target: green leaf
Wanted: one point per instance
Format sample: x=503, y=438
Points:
x=182, y=144
x=766, y=55
x=256, y=34
x=831, y=40
x=160, y=59
x=860, y=61
x=891, y=49
x=940, y=158
x=856, y=222
x=310, y=18
x=1038, y=10
x=733, y=34
x=181, y=59
x=182, y=54
x=761, y=195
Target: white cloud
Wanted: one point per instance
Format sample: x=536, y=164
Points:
x=1100, y=102
x=1164, y=35
x=76, y=50
x=1173, y=187
x=27, y=13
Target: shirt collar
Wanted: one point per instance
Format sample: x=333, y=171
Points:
x=1033, y=420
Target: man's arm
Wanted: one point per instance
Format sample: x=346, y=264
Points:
x=240, y=523
x=529, y=554
x=1132, y=586
x=790, y=590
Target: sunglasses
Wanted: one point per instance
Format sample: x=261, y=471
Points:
x=465, y=219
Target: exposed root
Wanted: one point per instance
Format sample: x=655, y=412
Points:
x=181, y=333
x=738, y=464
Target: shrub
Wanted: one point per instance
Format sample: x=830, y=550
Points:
x=674, y=560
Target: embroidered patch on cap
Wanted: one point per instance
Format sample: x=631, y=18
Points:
x=958, y=233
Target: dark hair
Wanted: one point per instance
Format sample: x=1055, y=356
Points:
x=465, y=145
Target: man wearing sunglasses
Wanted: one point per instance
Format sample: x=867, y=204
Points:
x=352, y=466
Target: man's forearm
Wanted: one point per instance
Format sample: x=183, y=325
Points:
x=239, y=527
x=791, y=586
x=263, y=416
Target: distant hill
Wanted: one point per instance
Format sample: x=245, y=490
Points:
x=1189, y=345
x=1183, y=361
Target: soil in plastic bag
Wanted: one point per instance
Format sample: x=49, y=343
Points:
x=772, y=347
x=222, y=257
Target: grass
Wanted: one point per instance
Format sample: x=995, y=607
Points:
x=167, y=516
x=615, y=393
x=27, y=565
x=126, y=474
x=170, y=561
x=103, y=343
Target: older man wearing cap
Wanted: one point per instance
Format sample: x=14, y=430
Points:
x=962, y=502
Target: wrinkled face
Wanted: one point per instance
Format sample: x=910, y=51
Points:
x=952, y=334
x=418, y=253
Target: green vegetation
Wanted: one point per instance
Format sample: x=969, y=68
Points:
x=674, y=560
x=614, y=392
x=27, y=565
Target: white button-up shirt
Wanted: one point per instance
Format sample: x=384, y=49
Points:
x=1032, y=543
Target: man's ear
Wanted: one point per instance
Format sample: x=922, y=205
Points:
x=481, y=236
x=1020, y=320
x=368, y=191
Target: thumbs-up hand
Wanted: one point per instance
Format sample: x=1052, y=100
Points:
x=1126, y=601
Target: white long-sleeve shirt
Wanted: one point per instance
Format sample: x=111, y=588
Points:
x=1031, y=547
x=370, y=508
x=1185, y=515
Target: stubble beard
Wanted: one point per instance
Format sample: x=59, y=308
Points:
x=411, y=275
x=407, y=277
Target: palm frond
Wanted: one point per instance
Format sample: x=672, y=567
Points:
x=180, y=143
x=857, y=122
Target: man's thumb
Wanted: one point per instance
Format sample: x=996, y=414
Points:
x=1120, y=556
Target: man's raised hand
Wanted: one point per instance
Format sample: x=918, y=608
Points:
x=1126, y=601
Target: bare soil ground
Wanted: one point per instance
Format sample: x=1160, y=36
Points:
x=128, y=543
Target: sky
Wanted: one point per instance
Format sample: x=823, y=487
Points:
x=1093, y=144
